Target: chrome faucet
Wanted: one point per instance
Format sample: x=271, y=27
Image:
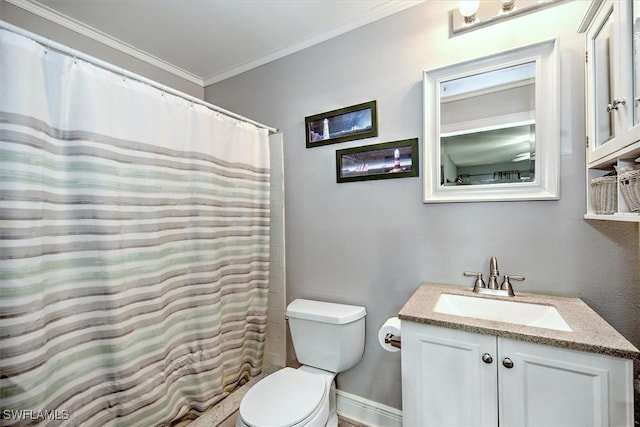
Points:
x=494, y=273
x=492, y=288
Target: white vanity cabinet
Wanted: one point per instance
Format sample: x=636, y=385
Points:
x=444, y=380
x=612, y=29
x=451, y=377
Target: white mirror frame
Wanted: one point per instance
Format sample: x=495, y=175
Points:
x=546, y=182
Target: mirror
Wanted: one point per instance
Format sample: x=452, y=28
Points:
x=491, y=128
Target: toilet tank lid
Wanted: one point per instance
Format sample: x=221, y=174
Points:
x=325, y=312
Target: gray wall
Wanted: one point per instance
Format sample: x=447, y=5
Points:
x=45, y=28
x=372, y=243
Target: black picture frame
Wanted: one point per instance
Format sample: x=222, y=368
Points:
x=345, y=124
x=378, y=161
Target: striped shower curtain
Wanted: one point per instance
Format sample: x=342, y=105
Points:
x=134, y=258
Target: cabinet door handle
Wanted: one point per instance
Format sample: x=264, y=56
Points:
x=615, y=103
x=486, y=358
x=507, y=363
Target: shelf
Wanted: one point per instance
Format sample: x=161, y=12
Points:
x=630, y=153
x=624, y=158
x=613, y=130
x=626, y=217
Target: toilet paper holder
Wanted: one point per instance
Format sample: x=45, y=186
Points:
x=392, y=340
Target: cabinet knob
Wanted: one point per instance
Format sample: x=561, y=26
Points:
x=486, y=358
x=507, y=363
x=615, y=103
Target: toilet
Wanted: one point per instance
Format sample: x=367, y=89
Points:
x=328, y=338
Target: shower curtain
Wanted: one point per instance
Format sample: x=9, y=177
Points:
x=134, y=252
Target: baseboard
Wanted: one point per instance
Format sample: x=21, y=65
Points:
x=366, y=411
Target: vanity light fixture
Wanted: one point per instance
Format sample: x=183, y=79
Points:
x=473, y=14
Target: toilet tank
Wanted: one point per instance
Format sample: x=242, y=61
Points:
x=327, y=335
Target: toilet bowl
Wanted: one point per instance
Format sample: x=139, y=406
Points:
x=328, y=338
x=290, y=398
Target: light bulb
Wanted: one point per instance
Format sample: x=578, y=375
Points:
x=468, y=9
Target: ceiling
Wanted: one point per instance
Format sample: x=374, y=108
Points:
x=205, y=41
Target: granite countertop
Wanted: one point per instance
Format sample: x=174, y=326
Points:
x=590, y=332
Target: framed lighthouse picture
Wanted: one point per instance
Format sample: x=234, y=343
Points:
x=346, y=124
x=396, y=159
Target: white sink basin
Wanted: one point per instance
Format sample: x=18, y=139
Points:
x=520, y=313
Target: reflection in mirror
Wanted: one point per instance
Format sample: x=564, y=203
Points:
x=487, y=127
x=602, y=62
x=491, y=127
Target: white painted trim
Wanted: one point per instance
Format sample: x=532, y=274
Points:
x=366, y=411
x=593, y=9
x=96, y=35
x=382, y=12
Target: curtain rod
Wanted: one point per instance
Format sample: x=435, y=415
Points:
x=50, y=44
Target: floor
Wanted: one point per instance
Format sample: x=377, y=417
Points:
x=348, y=423
x=230, y=422
x=224, y=413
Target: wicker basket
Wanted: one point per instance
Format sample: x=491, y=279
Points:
x=604, y=195
x=630, y=189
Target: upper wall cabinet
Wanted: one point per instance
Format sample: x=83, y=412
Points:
x=612, y=57
x=613, y=121
x=491, y=128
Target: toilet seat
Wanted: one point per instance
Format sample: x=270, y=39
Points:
x=286, y=398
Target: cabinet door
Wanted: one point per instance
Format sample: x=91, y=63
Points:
x=600, y=69
x=444, y=379
x=613, y=101
x=629, y=89
x=550, y=386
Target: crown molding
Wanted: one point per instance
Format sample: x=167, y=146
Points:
x=381, y=12
x=96, y=35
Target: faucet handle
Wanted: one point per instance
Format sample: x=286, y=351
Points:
x=479, y=282
x=506, y=283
